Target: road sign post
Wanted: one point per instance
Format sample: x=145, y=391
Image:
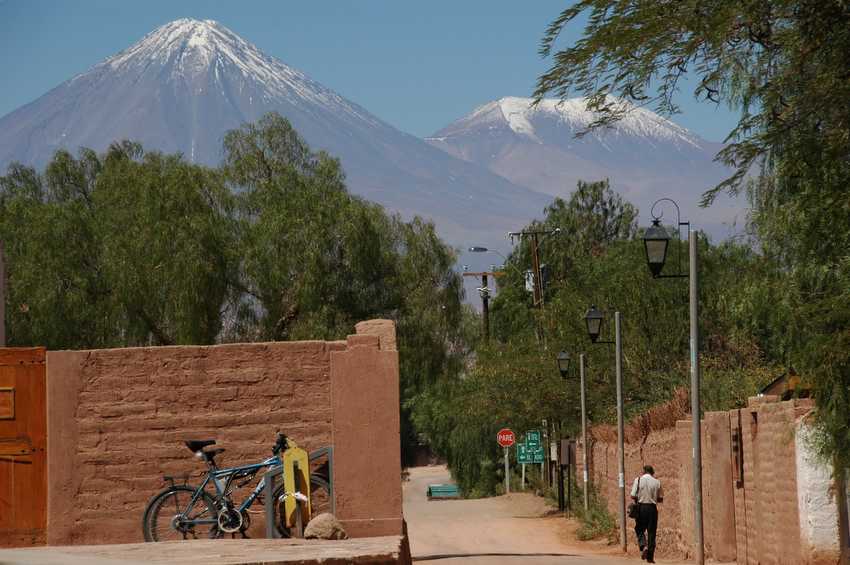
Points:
x=530, y=452
x=507, y=472
x=506, y=439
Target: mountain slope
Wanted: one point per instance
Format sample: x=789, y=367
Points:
x=645, y=156
x=185, y=84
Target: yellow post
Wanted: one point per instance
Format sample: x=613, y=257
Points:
x=290, y=503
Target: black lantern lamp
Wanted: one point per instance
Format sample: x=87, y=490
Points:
x=656, y=240
x=594, y=319
x=564, y=363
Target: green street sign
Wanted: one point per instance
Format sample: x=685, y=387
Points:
x=522, y=455
x=529, y=454
x=532, y=438
x=538, y=455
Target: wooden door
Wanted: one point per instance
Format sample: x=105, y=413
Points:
x=23, y=439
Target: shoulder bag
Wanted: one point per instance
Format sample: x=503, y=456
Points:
x=632, y=510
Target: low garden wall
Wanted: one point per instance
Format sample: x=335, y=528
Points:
x=778, y=506
x=117, y=419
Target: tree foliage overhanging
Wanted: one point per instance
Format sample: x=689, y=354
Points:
x=785, y=66
x=139, y=248
x=598, y=258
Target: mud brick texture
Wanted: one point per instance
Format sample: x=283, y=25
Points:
x=117, y=420
x=756, y=521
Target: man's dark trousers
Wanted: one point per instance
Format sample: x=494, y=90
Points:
x=645, y=528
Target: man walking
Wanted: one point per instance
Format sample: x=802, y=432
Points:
x=647, y=493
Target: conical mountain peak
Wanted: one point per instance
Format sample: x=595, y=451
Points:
x=525, y=118
x=185, y=38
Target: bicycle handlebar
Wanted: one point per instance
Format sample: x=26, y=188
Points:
x=281, y=444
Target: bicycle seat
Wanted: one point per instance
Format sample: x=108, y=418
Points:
x=198, y=444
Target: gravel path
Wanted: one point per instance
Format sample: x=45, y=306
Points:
x=510, y=529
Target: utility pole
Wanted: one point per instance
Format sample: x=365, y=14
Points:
x=535, y=265
x=535, y=258
x=538, y=300
x=484, y=291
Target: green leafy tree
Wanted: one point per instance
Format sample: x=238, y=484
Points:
x=317, y=259
x=514, y=380
x=783, y=65
x=137, y=248
x=127, y=249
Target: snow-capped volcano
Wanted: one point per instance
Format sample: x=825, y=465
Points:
x=193, y=50
x=645, y=156
x=520, y=114
x=181, y=87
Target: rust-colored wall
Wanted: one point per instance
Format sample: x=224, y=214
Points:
x=367, y=457
x=766, y=508
x=717, y=497
x=756, y=524
x=117, y=419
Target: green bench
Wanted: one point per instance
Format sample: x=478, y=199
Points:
x=443, y=491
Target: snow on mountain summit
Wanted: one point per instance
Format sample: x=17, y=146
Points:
x=644, y=155
x=200, y=50
x=525, y=118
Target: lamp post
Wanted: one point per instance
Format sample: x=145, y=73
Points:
x=594, y=318
x=656, y=241
x=583, y=430
x=564, y=369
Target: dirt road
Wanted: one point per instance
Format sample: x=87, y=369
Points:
x=508, y=529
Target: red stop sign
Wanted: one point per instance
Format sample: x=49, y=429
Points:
x=505, y=437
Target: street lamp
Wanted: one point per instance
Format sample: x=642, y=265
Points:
x=655, y=242
x=594, y=318
x=479, y=249
x=563, y=367
x=564, y=363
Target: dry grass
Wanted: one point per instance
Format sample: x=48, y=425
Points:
x=661, y=417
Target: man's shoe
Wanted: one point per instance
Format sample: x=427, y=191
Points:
x=643, y=554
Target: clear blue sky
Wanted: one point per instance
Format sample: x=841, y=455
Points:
x=417, y=65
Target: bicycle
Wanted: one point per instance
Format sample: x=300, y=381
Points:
x=184, y=512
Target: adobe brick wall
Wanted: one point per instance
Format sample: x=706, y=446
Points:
x=366, y=437
x=660, y=451
x=771, y=520
x=117, y=419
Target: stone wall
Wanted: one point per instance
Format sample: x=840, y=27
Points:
x=117, y=420
x=783, y=511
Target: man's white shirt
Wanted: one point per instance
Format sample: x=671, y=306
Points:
x=647, y=489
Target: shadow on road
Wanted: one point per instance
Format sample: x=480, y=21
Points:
x=458, y=555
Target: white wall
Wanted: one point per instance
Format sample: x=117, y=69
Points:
x=816, y=499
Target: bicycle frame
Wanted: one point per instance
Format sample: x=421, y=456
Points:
x=221, y=480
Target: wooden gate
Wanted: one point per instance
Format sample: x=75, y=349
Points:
x=23, y=433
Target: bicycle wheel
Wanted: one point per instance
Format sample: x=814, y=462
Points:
x=169, y=517
x=318, y=493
